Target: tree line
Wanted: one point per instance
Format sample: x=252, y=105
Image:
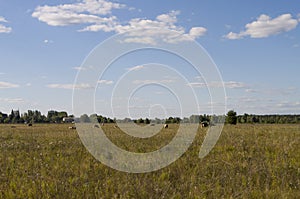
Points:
x=233, y=118
x=32, y=116
x=35, y=116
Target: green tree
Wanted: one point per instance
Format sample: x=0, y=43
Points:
x=140, y=121
x=231, y=117
x=147, y=121
x=194, y=118
x=84, y=118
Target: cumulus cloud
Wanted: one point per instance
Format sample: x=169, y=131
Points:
x=96, y=15
x=148, y=31
x=265, y=26
x=70, y=86
x=197, y=32
x=4, y=85
x=87, y=11
x=3, y=28
x=2, y=19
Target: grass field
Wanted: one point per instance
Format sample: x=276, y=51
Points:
x=249, y=161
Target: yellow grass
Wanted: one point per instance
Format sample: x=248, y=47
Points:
x=249, y=161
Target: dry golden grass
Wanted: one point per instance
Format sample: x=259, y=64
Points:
x=249, y=161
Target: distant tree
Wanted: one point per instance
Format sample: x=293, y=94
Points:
x=111, y=120
x=126, y=120
x=3, y=117
x=147, y=121
x=140, y=121
x=157, y=120
x=176, y=120
x=84, y=118
x=231, y=117
x=169, y=120
x=194, y=118
x=11, y=115
x=6, y=120
x=186, y=120
x=94, y=118
x=245, y=118
x=62, y=114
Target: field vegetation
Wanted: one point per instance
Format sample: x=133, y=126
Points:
x=248, y=161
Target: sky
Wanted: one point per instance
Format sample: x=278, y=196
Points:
x=45, y=46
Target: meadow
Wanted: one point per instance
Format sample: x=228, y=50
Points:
x=248, y=161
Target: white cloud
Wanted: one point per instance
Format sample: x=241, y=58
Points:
x=46, y=41
x=2, y=19
x=233, y=35
x=12, y=100
x=196, y=32
x=150, y=81
x=168, y=18
x=164, y=27
x=287, y=104
x=107, y=82
x=250, y=90
x=8, y=85
x=70, y=86
x=230, y=84
x=86, y=11
x=139, y=67
x=96, y=15
x=265, y=26
x=79, y=68
x=142, y=40
x=3, y=28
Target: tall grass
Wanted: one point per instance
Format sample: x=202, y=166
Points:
x=249, y=161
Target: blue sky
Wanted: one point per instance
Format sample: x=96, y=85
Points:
x=255, y=45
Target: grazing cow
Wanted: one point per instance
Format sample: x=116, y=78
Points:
x=29, y=124
x=96, y=126
x=72, y=127
x=204, y=124
x=166, y=126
